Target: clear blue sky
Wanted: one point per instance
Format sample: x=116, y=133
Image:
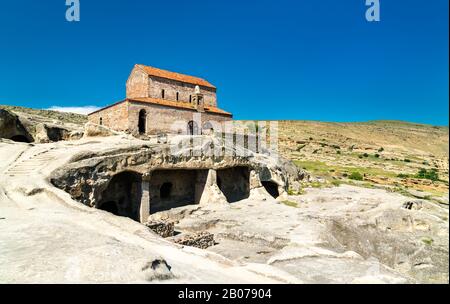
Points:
x=299, y=59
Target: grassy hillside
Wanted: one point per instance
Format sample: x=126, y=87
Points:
x=387, y=153
x=46, y=115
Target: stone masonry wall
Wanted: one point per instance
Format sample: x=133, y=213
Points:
x=171, y=87
x=162, y=118
x=114, y=117
x=139, y=84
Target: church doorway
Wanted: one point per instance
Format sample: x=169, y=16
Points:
x=142, y=121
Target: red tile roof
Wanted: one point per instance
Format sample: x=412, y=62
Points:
x=177, y=104
x=175, y=76
x=168, y=103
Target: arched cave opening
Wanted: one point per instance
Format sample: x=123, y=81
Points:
x=165, y=190
x=176, y=188
x=234, y=183
x=20, y=138
x=271, y=188
x=122, y=197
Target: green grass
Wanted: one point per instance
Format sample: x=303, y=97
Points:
x=290, y=204
x=336, y=182
x=356, y=176
x=319, y=167
x=292, y=192
x=428, y=241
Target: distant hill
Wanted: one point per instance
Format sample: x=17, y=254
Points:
x=388, y=153
x=62, y=117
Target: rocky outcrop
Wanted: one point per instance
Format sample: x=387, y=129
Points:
x=34, y=127
x=12, y=128
x=95, y=130
x=88, y=174
x=201, y=240
x=161, y=228
x=46, y=133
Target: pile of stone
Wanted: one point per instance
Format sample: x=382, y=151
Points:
x=201, y=240
x=163, y=229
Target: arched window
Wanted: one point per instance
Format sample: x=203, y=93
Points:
x=142, y=121
x=163, y=94
x=178, y=96
x=208, y=128
x=192, y=128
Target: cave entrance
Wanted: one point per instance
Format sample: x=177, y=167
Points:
x=20, y=138
x=234, y=183
x=122, y=197
x=176, y=188
x=111, y=207
x=271, y=188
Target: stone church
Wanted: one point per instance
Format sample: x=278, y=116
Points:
x=160, y=101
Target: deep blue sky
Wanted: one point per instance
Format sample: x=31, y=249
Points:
x=299, y=59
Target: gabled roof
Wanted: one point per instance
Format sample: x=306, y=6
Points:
x=168, y=103
x=151, y=71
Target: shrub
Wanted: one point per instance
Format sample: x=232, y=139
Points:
x=381, y=149
x=428, y=174
x=377, y=155
x=402, y=175
x=366, y=155
x=338, y=152
x=356, y=176
x=407, y=160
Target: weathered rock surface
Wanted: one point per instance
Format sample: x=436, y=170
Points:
x=45, y=133
x=95, y=130
x=201, y=240
x=12, y=128
x=54, y=239
x=25, y=127
x=161, y=228
x=344, y=234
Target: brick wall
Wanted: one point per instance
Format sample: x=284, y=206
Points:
x=163, y=119
x=171, y=87
x=114, y=117
x=139, y=84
